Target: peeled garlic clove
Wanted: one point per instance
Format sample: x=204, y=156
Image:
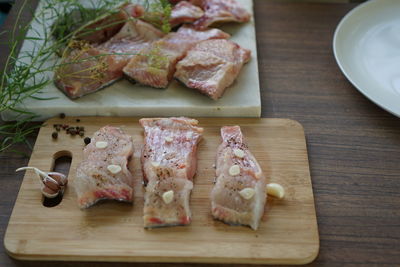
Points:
x=275, y=190
x=168, y=196
x=247, y=193
x=234, y=170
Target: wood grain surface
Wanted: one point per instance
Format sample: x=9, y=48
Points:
x=353, y=145
x=114, y=231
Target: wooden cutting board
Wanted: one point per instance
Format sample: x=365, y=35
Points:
x=113, y=231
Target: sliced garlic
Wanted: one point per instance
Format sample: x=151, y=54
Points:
x=101, y=144
x=155, y=164
x=114, y=168
x=168, y=139
x=234, y=170
x=238, y=153
x=275, y=190
x=247, y=193
x=168, y=196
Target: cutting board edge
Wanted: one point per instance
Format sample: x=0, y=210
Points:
x=12, y=251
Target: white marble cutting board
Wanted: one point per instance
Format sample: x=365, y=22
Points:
x=123, y=98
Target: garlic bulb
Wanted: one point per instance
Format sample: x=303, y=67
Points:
x=52, y=183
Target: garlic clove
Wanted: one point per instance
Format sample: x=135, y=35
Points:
x=275, y=190
x=168, y=139
x=101, y=144
x=59, y=177
x=48, y=192
x=247, y=193
x=168, y=196
x=114, y=169
x=238, y=153
x=234, y=170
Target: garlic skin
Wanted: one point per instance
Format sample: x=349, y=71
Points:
x=52, y=183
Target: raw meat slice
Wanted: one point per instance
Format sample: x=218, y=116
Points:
x=211, y=66
x=104, y=173
x=85, y=69
x=155, y=65
x=133, y=37
x=239, y=196
x=89, y=68
x=185, y=12
x=103, y=28
x=217, y=11
x=169, y=162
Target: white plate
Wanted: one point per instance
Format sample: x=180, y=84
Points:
x=366, y=45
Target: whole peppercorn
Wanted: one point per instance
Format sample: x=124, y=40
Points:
x=62, y=115
x=72, y=132
x=87, y=140
x=54, y=135
x=78, y=120
x=81, y=134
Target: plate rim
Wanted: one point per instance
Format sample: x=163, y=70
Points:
x=394, y=110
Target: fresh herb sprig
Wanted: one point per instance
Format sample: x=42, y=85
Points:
x=26, y=74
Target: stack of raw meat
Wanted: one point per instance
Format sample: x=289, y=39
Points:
x=199, y=56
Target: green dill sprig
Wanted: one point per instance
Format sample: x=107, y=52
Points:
x=27, y=73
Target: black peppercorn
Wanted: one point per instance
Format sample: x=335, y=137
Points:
x=87, y=140
x=54, y=135
x=78, y=120
x=81, y=134
x=62, y=115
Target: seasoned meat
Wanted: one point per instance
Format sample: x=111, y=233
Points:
x=155, y=65
x=185, y=12
x=133, y=37
x=88, y=68
x=211, y=66
x=238, y=196
x=104, y=173
x=217, y=11
x=169, y=162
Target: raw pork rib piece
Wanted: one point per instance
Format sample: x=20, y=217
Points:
x=103, y=174
x=133, y=37
x=85, y=70
x=155, y=65
x=89, y=68
x=238, y=196
x=185, y=12
x=211, y=66
x=169, y=162
x=220, y=11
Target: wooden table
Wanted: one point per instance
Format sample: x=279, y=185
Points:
x=354, y=146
